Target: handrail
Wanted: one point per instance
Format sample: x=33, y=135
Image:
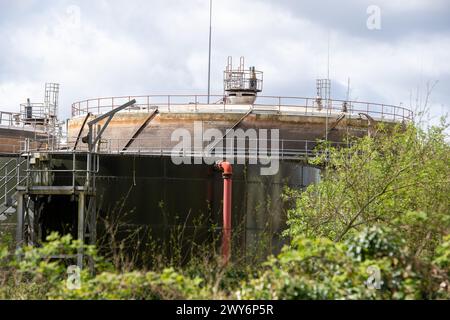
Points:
x=288, y=148
x=293, y=104
x=7, y=163
x=36, y=121
x=9, y=176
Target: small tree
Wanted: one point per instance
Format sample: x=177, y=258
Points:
x=399, y=178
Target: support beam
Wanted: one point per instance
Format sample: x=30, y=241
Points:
x=31, y=224
x=112, y=112
x=91, y=217
x=19, y=227
x=229, y=130
x=140, y=129
x=81, y=130
x=100, y=133
x=81, y=204
x=109, y=115
x=91, y=228
x=334, y=125
x=56, y=190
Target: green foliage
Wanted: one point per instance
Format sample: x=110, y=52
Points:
x=442, y=258
x=37, y=273
x=318, y=268
x=374, y=243
x=384, y=198
x=135, y=285
x=310, y=268
x=399, y=178
x=381, y=208
x=31, y=272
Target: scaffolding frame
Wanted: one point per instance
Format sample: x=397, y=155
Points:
x=35, y=180
x=240, y=79
x=43, y=115
x=38, y=182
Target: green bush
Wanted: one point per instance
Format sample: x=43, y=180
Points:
x=376, y=226
x=400, y=178
x=374, y=243
x=136, y=286
x=310, y=268
x=35, y=273
x=318, y=268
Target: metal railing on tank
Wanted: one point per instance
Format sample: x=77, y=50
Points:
x=275, y=104
x=79, y=173
x=14, y=120
x=11, y=175
x=10, y=119
x=157, y=146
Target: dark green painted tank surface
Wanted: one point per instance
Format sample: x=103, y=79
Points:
x=153, y=193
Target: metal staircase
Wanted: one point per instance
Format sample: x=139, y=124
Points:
x=45, y=175
x=12, y=174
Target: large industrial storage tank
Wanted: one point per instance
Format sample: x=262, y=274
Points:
x=151, y=160
x=137, y=147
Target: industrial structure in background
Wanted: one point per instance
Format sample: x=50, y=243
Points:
x=117, y=151
x=35, y=121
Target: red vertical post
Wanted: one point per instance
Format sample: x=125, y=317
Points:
x=226, y=241
x=227, y=173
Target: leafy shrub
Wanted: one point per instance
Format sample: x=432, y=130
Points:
x=32, y=272
x=317, y=268
x=309, y=269
x=35, y=273
x=374, y=243
x=399, y=178
x=135, y=285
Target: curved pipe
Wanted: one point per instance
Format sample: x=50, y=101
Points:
x=225, y=167
x=370, y=124
x=227, y=173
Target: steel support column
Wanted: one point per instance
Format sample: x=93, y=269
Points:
x=81, y=201
x=20, y=214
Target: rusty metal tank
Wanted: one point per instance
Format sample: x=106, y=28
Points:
x=136, y=156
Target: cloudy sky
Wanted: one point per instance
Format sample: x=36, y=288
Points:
x=97, y=48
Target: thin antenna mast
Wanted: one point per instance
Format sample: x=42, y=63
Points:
x=329, y=92
x=328, y=57
x=348, y=89
x=209, y=51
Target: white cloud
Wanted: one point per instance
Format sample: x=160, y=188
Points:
x=143, y=47
x=405, y=6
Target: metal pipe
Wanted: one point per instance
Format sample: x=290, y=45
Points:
x=227, y=173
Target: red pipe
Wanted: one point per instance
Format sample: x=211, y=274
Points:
x=227, y=173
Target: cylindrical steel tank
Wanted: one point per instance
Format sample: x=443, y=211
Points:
x=135, y=157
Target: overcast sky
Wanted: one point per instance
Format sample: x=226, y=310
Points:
x=97, y=48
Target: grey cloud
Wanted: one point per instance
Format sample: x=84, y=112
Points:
x=350, y=16
x=142, y=47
